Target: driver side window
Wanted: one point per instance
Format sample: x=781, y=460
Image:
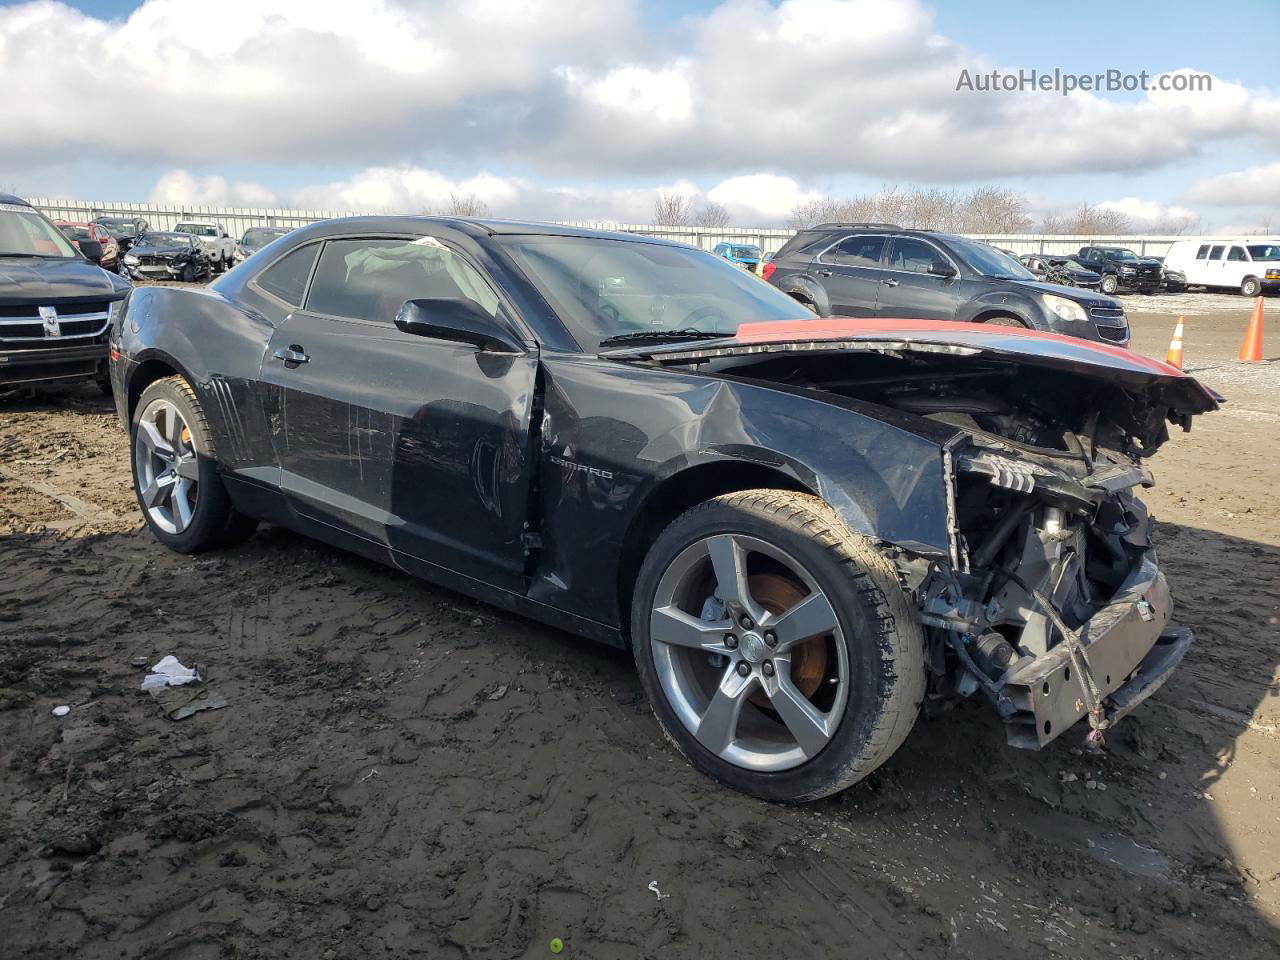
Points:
x=371, y=279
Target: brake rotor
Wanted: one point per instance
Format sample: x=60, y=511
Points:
x=808, y=659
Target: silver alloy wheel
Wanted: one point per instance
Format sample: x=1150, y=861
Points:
x=729, y=666
x=165, y=466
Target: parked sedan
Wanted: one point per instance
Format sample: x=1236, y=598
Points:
x=75, y=232
x=167, y=256
x=255, y=238
x=745, y=255
x=1061, y=270
x=800, y=527
x=124, y=230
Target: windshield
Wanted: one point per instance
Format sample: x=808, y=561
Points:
x=119, y=229
x=608, y=288
x=1119, y=253
x=989, y=261
x=747, y=253
x=73, y=231
x=1264, y=251
x=164, y=240
x=260, y=236
x=197, y=229
x=24, y=233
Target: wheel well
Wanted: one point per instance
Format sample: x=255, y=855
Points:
x=148, y=372
x=992, y=314
x=673, y=497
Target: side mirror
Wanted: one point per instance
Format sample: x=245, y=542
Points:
x=91, y=250
x=942, y=269
x=456, y=319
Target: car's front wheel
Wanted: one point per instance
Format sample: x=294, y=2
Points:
x=777, y=647
x=175, y=472
x=1110, y=284
x=1251, y=287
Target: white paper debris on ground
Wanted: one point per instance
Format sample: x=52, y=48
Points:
x=61, y=711
x=653, y=886
x=169, y=672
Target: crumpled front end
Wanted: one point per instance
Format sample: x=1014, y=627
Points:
x=1050, y=602
x=1055, y=608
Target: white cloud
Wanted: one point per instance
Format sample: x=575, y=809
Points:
x=1145, y=214
x=752, y=200
x=807, y=87
x=1253, y=187
x=179, y=187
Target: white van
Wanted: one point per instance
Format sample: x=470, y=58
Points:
x=1248, y=264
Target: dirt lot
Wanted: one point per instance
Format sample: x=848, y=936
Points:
x=401, y=772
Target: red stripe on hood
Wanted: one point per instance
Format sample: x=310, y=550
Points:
x=945, y=331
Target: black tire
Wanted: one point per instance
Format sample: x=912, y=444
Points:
x=1251, y=287
x=215, y=522
x=884, y=642
x=188, y=274
x=220, y=266
x=1110, y=285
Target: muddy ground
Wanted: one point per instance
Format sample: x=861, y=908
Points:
x=402, y=772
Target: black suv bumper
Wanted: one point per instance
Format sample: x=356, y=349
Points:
x=36, y=365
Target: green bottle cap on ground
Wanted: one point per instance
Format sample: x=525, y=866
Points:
x=556, y=944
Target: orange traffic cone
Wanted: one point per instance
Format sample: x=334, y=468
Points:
x=1251, y=349
x=1174, y=356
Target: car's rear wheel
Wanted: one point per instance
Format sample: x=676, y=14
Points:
x=777, y=648
x=1251, y=287
x=175, y=472
x=805, y=302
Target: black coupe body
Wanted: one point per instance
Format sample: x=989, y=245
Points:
x=804, y=528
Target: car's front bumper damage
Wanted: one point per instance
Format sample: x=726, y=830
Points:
x=1130, y=648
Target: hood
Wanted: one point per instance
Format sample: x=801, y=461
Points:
x=1073, y=293
x=148, y=250
x=45, y=281
x=1161, y=391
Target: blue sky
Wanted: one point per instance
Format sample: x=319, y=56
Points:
x=562, y=120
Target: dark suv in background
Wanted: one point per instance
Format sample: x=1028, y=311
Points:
x=1122, y=269
x=880, y=270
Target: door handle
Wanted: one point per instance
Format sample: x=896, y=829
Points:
x=291, y=354
x=824, y=273
x=889, y=282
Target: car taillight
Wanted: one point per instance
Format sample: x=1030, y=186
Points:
x=767, y=272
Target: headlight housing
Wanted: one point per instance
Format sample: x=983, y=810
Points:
x=131, y=259
x=1064, y=309
x=1127, y=269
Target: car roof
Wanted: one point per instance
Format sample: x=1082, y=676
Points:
x=475, y=226
x=10, y=198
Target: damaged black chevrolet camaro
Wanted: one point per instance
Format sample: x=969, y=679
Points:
x=804, y=529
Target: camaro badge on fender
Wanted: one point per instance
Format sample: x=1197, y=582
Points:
x=51, y=326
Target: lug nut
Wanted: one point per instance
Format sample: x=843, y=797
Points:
x=768, y=668
x=731, y=641
x=744, y=668
x=771, y=638
x=746, y=623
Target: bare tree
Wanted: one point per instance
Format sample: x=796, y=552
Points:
x=983, y=210
x=672, y=209
x=1089, y=220
x=712, y=215
x=466, y=205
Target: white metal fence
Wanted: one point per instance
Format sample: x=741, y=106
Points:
x=770, y=239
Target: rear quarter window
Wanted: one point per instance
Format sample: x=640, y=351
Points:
x=287, y=277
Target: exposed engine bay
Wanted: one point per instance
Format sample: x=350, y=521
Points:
x=1051, y=547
